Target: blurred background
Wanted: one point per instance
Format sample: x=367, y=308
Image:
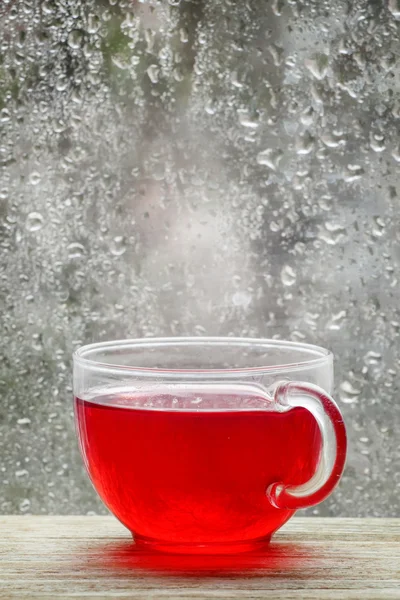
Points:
x=197, y=167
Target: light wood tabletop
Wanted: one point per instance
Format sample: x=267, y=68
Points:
x=94, y=557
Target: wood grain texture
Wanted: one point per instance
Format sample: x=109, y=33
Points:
x=94, y=558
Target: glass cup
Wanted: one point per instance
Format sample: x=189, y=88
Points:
x=207, y=445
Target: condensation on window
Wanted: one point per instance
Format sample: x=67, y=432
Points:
x=197, y=167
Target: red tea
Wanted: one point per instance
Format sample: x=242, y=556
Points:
x=193, y=468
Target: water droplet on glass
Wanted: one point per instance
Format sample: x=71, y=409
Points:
x=304, y=143
x=153, y=72
x=270, y=158
x=332, y=233
x=396, y=154
x=121, y=61
x=34, y=221
x=21, y=473
x=93, y=24
x=235, y=80
x=5, y=115
x=246, y=120
x=332, y=141
x=288, y=275
x=75, y=39
x=24, y=505
x=348, y=393
x=277, y=6
x=337, y=321
x=353, y=173
x=118, y=246
x=241, y=298
x=35, y=178
x=345, y=47
x=75, y=250
x=183, y=35
x=307, y=116
x=178, y=74
x=377, y=142
x=379, y=229
x=317, y=66
x=373, y=358
x=276, y=53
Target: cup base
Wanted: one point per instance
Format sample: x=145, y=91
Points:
x=153, y=545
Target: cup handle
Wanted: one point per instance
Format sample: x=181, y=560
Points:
x=292, y=394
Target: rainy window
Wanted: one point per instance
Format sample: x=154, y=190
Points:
x=197, y=167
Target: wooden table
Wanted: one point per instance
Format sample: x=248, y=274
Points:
x=94, y=557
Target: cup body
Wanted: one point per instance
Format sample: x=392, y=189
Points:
x=182, y=438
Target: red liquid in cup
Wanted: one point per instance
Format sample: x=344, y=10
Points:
x=197, y=475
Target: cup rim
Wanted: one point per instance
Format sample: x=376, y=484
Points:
x=322, y=355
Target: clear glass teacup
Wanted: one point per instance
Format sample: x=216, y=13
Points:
x=207, y=445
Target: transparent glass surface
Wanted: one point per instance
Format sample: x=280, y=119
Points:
x=207, y=444
x=197, y=168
